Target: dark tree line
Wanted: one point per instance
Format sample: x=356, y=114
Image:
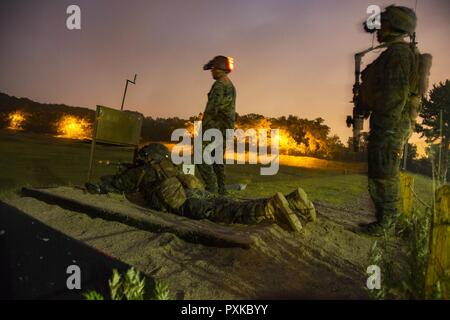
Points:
x=435, y=127
x=313, y=135
x=40, y=117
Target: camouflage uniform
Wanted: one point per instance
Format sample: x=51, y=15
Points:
x=167, y=189
x=219, y=114
x=389, y=90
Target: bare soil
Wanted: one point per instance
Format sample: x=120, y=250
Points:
x=328, y=260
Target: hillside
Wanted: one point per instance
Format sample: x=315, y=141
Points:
x=40, y=117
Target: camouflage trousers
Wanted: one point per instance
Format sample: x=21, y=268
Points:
x=384, y=158
x=206, y=205
x=213, y=176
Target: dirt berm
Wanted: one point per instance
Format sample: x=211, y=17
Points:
x=203, y=260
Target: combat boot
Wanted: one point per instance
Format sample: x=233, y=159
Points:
x=299, y=202
x=278, y=210
x=377, y=229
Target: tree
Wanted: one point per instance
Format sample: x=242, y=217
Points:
x=435, y=126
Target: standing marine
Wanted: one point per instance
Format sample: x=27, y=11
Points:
x=166, y=188
x=390, y=93
x=220, y=113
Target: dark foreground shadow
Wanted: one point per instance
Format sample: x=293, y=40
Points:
x=34, y=259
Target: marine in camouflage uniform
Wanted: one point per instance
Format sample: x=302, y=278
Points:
x=219, y=114
x=389, y=93
x=166, y=188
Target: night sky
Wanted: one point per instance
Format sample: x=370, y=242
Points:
x=291, y=56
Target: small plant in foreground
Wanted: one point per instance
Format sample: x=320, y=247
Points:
x=129, y=287
x=93, y=295
x=161, y=291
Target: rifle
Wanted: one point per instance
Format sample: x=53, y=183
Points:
x=357, y=120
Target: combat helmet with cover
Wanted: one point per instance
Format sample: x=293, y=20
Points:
x=401, y=19
x=220, y=62
x=153, y=151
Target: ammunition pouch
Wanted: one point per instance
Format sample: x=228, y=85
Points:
x=170, y=193
x=190, y=182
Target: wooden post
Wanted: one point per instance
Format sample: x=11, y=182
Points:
x=94, y=137
x=438, y=269
x=406, y=199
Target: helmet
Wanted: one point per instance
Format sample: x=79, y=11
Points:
x=401, y=19
x=220, y=62
x=153, y=151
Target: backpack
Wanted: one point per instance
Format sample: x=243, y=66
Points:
x=425, y=61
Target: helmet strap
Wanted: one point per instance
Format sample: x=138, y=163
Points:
x=413, y=39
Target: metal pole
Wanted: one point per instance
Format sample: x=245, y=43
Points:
x=441, y=126
x=125, y=92
x=94, y=137
x=405, y=156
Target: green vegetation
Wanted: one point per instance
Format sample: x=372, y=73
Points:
x=93, y=295
x=403, y=271
x=435, y=126
x=129, y=287
x=42, y=160
x=326, y=185
x=162, y=291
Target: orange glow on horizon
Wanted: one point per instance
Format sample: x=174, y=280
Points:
x=74, y=127
x=16, y=120
x=286, y=143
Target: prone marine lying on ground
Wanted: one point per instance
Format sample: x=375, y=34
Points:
x=166, y=188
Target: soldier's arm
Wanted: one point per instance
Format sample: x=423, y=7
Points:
x=225, y=107
x=227, y=113
x=216, y=98
x=126, y=180
x=214, y=103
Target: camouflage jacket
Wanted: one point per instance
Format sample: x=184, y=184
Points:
x=389, y=90
x=220, y=109
x=161, y=183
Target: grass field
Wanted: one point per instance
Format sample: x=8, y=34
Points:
x=41, y=160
